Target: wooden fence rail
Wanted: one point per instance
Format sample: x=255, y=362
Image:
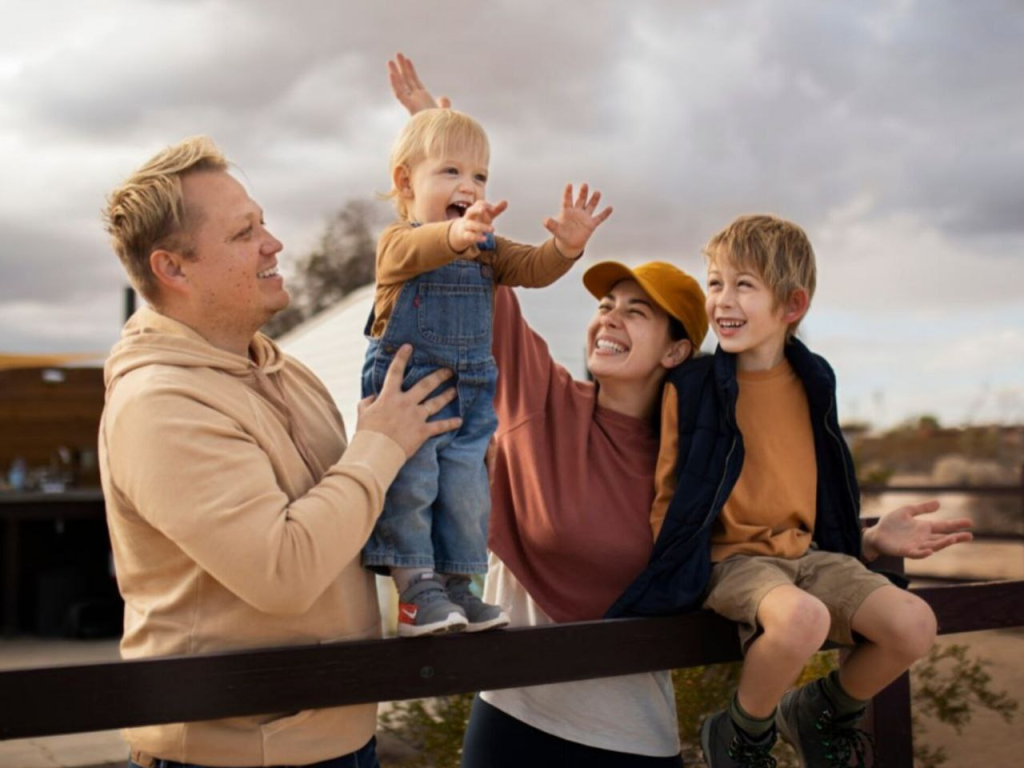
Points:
x=46, y=701
x=1000, y=491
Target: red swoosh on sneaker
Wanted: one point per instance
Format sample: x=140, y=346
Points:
x=407, y=613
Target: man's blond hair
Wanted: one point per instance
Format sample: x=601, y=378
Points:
x=147, y=212
x=775, y=249
x=434, y=133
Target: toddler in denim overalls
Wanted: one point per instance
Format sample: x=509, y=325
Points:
x=436, y=271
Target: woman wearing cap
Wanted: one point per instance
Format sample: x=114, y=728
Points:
x=571, y=494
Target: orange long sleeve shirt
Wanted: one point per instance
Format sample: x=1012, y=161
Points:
x=405, y=251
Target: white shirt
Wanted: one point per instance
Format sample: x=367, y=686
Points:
x=635, y=714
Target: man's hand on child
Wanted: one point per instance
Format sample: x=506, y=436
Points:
x=902, y=533
x=577, y=221
x=403, y=416
x=408, y=89
x=474, y=225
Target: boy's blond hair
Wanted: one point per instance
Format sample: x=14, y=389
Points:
x=434, y=133
x=777, y=250
x=147, y=211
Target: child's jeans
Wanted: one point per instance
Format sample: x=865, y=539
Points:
x=436, y=511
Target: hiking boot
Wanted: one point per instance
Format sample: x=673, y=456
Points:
x=424, y=609
x=726, y=746
x=480, y=615
x=807, y=720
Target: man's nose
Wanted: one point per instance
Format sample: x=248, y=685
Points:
x=271, y=244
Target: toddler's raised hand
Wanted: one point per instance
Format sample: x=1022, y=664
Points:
x=475, y=224
x=576, y=221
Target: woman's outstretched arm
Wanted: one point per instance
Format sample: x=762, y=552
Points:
x=408, y=88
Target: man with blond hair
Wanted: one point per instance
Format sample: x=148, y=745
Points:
x=236, y=505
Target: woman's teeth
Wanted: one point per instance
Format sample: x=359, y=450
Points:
x=609, y=346
x=272, y=272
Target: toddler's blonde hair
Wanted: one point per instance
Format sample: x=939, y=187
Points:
x=433, y=133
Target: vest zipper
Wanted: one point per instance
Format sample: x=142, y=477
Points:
x=721, y=483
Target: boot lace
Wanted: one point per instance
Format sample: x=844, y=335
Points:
x=751, y=755
x=843, y=742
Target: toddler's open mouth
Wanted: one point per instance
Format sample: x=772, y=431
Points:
x=456, y=210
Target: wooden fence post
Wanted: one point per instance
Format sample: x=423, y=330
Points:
x=1022, y=487
x=888, y=716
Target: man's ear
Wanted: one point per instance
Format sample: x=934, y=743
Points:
x=403, y=181
x=167, y=268
x=677, y=353
x=796, y=306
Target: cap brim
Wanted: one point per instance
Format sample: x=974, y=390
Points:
x=602, y=277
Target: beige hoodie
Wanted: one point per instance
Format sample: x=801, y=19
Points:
x=237, y=513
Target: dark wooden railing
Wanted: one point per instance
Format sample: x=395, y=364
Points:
x=996, y=491
x=55, y=700
x=91, y=697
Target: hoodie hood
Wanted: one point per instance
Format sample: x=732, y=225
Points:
x=149, y=338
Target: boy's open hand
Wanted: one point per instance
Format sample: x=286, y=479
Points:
x=576, y=222
x=408, y=89
x=901, y=533
x=474, y=226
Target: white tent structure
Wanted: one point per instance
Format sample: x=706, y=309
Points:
x=332, y=345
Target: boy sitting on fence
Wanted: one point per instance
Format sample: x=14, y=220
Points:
x=436, y=272
x=757, y=514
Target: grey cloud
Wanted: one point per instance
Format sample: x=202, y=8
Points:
x=683, y=114
x=230, y=67
x=44, y=263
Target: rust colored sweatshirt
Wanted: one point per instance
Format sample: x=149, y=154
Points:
x=573, y=481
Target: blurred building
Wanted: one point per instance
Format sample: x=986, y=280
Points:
x=54, y=551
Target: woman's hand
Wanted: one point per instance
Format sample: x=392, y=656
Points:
x=901, y=533
x=408, y=89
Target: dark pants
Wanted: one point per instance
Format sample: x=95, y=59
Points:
x=496, y=740
x=362, y=758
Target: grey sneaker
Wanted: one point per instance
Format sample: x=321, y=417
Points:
x=481, y=615
x=424, y=609
x=806, y=720
x=726, y=746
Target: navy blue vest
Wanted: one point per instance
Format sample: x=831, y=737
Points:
x=708, y=466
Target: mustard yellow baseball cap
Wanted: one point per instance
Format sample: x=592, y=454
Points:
x=671, y=289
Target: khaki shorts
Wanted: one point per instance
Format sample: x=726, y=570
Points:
x=841, y=582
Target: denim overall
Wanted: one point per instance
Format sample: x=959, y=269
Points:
x=436, y=511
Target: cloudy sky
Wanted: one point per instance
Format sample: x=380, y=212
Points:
x=892, y=131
